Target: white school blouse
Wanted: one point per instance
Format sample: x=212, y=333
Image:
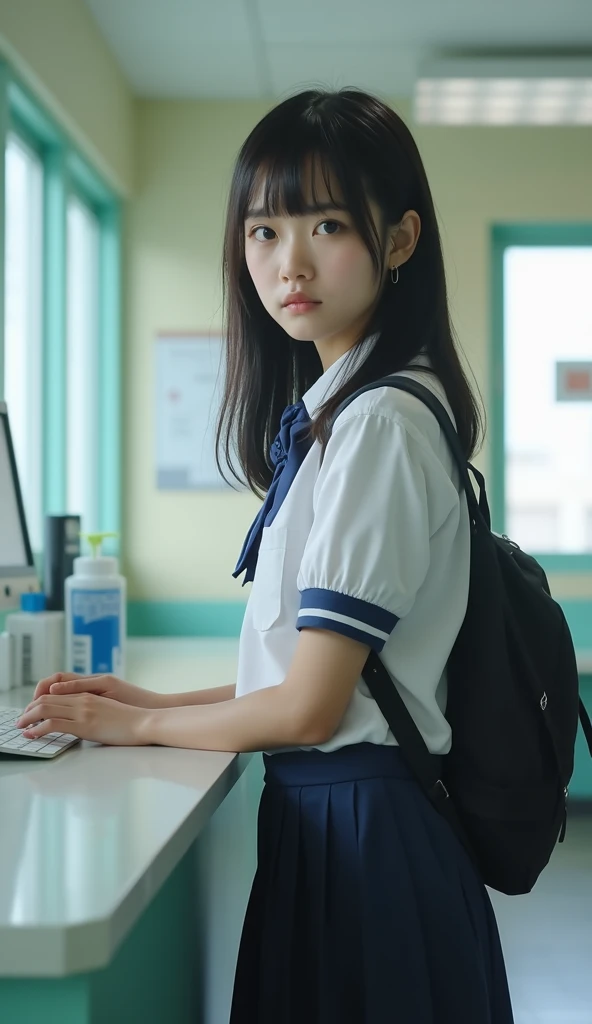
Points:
x=374, y=544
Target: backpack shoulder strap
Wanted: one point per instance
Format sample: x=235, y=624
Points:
x=427, y=767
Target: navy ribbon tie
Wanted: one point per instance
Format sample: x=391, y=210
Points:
x=287, y=454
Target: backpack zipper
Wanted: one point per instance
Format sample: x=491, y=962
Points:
x=564, y=822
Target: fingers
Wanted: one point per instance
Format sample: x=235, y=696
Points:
x=62, y=682
x=41, y=709
x=58, y=677
x=48, y=701
x=69, y=686
x=57, y=725
x=44, y=684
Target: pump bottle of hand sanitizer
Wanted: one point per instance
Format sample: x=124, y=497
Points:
x=95, y=598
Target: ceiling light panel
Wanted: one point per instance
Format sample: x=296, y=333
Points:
x=508, y=92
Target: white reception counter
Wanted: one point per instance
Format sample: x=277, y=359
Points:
x=88, y=838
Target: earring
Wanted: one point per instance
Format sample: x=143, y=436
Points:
x=395, y=280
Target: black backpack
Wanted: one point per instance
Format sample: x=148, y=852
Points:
x=513, y=700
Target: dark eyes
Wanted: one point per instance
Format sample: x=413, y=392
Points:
x=332, y=223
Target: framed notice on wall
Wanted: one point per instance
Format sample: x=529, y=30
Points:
x=188, y=386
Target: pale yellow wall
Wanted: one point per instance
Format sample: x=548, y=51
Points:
x=177, y=546
x=184, y=546
x=57, y=48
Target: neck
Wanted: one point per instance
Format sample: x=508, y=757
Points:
x=331, y=350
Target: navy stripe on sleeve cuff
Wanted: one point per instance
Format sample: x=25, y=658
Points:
x=326, y=609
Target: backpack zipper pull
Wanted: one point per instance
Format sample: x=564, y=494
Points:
x=564, y=823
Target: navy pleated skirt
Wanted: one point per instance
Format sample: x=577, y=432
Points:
x=365, y=908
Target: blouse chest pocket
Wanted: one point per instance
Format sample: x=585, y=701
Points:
x=266, y=593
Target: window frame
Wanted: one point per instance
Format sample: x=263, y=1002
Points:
x=67, y=170
x=502, y=237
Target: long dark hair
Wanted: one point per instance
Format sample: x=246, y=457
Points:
x=372, y=154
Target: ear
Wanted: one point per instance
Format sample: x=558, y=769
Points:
x=403, y=238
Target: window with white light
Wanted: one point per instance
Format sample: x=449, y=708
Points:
x=548, y=397
x=60, y=297
x=23, y=346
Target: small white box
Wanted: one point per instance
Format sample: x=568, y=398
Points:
x=39, y=638
x=8, y=661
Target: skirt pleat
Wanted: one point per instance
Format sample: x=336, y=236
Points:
x=365, y=908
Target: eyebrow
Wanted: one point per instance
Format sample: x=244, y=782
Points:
x=310, y=208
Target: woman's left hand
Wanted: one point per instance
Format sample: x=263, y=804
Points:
x=87, y=716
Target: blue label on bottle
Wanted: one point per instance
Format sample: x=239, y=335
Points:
x=96, y=639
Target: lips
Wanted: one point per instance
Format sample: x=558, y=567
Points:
x=298, y=298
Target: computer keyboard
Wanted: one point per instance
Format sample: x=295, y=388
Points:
x=12, y=740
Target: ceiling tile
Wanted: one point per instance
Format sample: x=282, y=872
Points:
x=253, y=48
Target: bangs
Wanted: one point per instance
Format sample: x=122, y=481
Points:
x=286, y=180
x=283, y=173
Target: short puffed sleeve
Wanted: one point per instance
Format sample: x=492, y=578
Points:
x=380, y=495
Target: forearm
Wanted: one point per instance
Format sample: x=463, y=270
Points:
x=215, y=695
x=256, y=721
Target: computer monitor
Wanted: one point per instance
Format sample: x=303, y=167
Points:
x=17, y=568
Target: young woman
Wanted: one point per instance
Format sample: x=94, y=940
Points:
x=365, y=908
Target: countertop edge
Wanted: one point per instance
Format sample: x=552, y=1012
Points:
x=57, y=951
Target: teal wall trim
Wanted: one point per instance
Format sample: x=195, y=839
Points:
x=580, y=787
x=564, y=563
x=579, y=618
x=185, y=618
x=180, y=618
x=224, y=618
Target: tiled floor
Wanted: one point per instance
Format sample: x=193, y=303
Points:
x=547, y=936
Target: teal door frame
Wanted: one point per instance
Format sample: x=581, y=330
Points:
x=502, y=237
